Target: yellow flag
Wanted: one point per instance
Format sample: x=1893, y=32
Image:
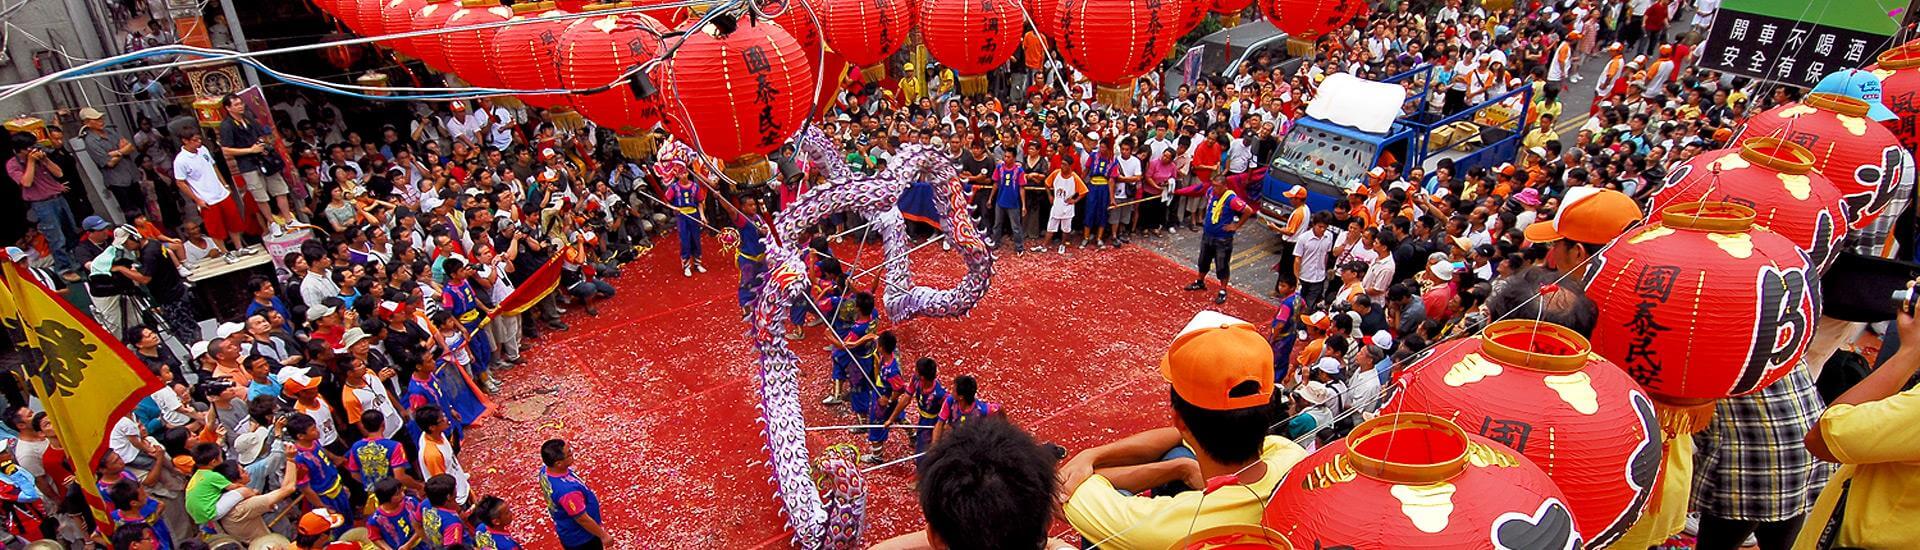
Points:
x=85, y=379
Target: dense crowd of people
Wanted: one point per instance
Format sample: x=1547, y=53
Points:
x=333, y=406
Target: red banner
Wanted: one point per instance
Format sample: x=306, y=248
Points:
x=531, y=291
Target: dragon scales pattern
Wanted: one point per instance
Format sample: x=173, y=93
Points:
x=835, y=521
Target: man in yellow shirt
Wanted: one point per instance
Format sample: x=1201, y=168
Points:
x=1867, y=430
x=1221, y=371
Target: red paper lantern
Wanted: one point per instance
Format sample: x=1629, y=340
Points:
x=865, y=31
x=739, y=95
x=426, y=47
x=1235, y=536
x=396, y=16
x=467, y=51
x=1230, y=7
x=367, y=19
x=1701, y=305
x=524, y=58
x=1777, y=180
x=671, y=18
x=1899, y=72
x=1863, y=158
x=594, y=52
x=971, y=37
x=1536, y=388
x=1308, y=19
x=342, y=57
x=1192, y=12
x=1415, y=481
x=796, y=18
x=326, y=6
x=1114, y=42
x=1045, y=18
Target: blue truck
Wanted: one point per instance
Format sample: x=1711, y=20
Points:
x=1330, y=159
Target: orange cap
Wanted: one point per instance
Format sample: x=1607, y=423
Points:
x=320, y=521
x=1588, y=215
x=1295, y=192
x=1665, y=49
x=1214, y=356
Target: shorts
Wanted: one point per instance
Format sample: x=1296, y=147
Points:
x=1059, y=225
x=264, y=186
x=1123, y=215
x=222, y=218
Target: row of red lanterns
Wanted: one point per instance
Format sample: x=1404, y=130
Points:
x=1716, y=297
x=1099, y=37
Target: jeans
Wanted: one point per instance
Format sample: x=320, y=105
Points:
x=1005, y=219
x=55, y=218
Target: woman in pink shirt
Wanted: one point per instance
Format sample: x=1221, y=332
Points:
x=1160, y=173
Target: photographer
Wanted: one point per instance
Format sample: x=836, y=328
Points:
x=40, y=186
x=115, y=281
x=167, y=292
x=251, y=147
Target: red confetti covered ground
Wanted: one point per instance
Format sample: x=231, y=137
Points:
x=657, y=394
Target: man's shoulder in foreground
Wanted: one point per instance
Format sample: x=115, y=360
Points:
x=1100, y=512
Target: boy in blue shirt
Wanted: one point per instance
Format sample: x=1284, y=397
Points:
x=887, y=386
x=573, y=506
x=927, y=396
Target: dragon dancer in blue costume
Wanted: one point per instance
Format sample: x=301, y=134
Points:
x=395, y=520
x=887, y=387
x=752, y=254
x=927, y=395
x=458, y=298
x=1103, y=168
x=321, y=485
x=689, y=200
x=1222, y=213
x=853, y=359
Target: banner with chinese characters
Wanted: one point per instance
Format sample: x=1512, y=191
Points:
x=1796, y=43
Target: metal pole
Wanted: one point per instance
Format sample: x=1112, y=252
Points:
x=239, y=40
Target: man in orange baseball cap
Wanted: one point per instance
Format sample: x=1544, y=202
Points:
x=1221, y=372
x=1589, y=218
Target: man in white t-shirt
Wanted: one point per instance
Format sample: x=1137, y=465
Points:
x=129, y=441
x=1065, y=188
x=1126, y=189
x=462, y=125
x=499, y=127
x=1310, y=250
x=199, y=180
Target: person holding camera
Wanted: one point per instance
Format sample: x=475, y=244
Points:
x=251, y=147
x=115, y=281
x=40, y=186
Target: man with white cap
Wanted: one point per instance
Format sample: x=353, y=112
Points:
x=1221, y=373
x=115, y=282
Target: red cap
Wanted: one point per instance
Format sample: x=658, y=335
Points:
x=1216, y=356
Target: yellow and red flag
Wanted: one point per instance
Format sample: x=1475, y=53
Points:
x=532, y=290
x=85, y=378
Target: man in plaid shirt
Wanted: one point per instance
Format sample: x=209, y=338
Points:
x=1752, y=474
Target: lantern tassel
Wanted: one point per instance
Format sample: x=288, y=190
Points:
x=1115, y=96
x=874, y=73
x=639, y=146
x=1230, y=21
x=1678, y=418
x=973, y=85
x=566, y=119
x=748, y=170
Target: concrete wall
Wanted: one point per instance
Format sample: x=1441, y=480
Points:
x=69, y=25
